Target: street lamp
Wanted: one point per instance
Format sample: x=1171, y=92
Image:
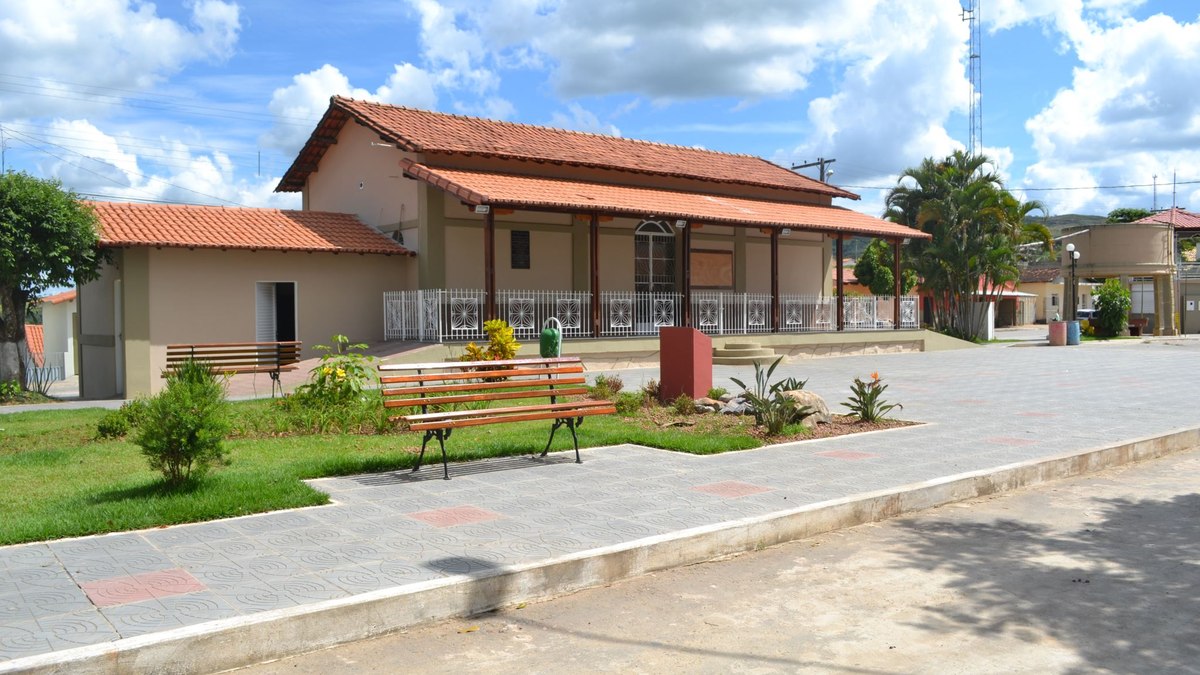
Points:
x=1074, y=256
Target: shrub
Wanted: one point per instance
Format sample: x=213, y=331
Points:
x=606, y=387
x=791, y=384
x=772, y=409
x=683, y=405
x=717, y=392
x=501, y=346
x=650, y=392
x=118, y=423
x=866, y=399
x=9, y=390
x=1112, y=307
x=629, y=402
x=185, y=424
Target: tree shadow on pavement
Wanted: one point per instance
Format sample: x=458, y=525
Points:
x=1123, y=592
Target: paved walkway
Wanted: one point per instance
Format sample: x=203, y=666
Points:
x=983, y=408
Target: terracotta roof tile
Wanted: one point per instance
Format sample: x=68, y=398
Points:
x=177, y=225
x=1041, y=274
x=65, y=296
x=35, y=343
x=507, y=190
x=1182, y=220
x=429, y=132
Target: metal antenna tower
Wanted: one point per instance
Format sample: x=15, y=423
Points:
x=970, y=13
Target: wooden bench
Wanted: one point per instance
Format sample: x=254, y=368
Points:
x=236, y=358
x=440, y=386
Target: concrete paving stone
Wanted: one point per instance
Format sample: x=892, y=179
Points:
x=198, y=607
x=228, y=575
x=140, y=618
x=214, y=531
x=399, y=572
x=45, y=601
x=354, y=579
x=28, y=555
x=23, y=638
x=307, y=588
x=270, y=568
x=256, y=596
x=14, y=608
x=97, y=566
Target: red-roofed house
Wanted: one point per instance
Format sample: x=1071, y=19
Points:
x=613, y=236
x=196, y=274
x=59, y=349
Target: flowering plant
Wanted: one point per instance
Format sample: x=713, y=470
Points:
x=866, y=399
x=342, y=374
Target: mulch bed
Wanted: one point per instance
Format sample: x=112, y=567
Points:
x=842, y=425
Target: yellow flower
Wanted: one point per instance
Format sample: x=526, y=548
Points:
x=341, y=373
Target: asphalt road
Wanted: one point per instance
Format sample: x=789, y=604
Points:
x=1096, y=574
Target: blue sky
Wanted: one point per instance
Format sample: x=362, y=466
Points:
x=207, y=101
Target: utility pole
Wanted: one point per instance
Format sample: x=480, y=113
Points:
x=821, y=162
x=3, y=152
x=1154, y=206
x=970, y=14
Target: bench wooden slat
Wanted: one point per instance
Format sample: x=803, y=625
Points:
x=455, y=414
x=472, y=398
x=231, y=353
x=237, y=358
x=515, y=417
x=479, y=374
x=442, y=365
x=473, y=386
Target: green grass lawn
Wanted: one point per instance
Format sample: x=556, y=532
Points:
x=58, y=480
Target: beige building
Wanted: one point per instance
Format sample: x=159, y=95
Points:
x=612, y=236
x=198, y=274
x=420, y=225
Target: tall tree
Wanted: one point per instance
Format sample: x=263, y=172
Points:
x=874, y=269
x=47, y=238
x=976, y=227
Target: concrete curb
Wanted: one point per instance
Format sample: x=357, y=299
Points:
x=231, y=643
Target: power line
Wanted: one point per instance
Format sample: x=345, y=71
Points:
x=133, y=173
x=1042, y=189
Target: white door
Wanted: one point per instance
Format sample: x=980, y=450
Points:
x=264, y=312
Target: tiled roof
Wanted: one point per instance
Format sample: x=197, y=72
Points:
x=509, y=191
x=65, y=296
x=176, y=225
x=35, y=343
x=1038, y=275
x=1182, y=220
x=422, y=131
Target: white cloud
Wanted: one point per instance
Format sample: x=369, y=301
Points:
x=579, y=118
x=298, y=106
x=74, y=47
x=91, y=161
x=1128, y=114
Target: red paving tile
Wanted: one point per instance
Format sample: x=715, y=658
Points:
x=853, y=455
x=455, y=515
x=1005, y=440
x=138, y=587
x=732, y=489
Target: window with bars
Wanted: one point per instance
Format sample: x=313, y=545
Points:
x=654, y=257
x=519, y=249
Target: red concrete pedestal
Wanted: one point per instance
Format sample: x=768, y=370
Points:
x=685, y=363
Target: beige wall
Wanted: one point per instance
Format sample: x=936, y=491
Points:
x=1116, y=249
x=181, y=296
x=363, y=179
x=97, y=336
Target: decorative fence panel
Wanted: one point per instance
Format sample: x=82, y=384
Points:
x=626, y=313
x=719, y=313
x=457, y=315
x=527, y=311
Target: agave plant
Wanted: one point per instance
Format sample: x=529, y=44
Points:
x=772, y=409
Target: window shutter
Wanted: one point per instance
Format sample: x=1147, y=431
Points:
x=264, y=312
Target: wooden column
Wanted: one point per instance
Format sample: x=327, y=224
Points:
x=489, y=264
x=775, y=279
x=594, y=270
x=841, y=290
x=687, y=274
x=896, y=274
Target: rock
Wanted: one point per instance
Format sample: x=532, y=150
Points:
x=727, y=397
x=737, y=407
x=711, y=402
x=702, y=408
x=814, y=401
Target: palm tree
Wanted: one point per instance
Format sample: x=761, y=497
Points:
x=976, y=227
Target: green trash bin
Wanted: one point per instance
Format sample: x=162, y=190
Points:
x=550, y=343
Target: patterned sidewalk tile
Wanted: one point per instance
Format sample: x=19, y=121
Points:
x=455, y=515
x=138, y=587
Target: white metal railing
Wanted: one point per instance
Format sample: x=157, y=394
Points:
x=627, y=313
x=457, y=315
x=721, y=313
x=527, y=311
